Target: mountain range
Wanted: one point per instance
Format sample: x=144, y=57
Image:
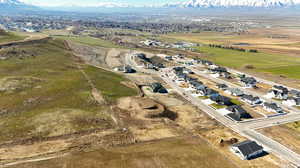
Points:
x=16, y=4
x=235, y=3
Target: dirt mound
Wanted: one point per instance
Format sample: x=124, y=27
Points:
x=141, y=108
x=13, y=84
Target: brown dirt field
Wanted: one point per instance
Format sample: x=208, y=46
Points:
x=188, y=152
x=215, y=132
x=284, y=135
x=198, y=123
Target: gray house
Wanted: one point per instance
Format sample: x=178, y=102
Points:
x=158, y=88
x=247, y=150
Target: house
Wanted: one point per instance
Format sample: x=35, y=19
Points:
x=247, y=150
x=181, y=76
x=222, y=86
x=291, y=101
x=226, y=75
x=195, y=83
x=221, y=100
x=294, y=93
x=277, y=94
x=129, y=69
x=235, y=92
x=169, y=58
x=251, y=99
x=280, y=89
x=125, y=69
x=218, y=70
x=249, y=82
x=237, y=112
x=141, y=56
x=272, y=107
x=205, y=62
x=151, y=43
x=211, y=92
x=187, y=71
x=158, y=88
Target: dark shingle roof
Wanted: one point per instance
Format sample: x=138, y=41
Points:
x=250, y=97
x=248, y=147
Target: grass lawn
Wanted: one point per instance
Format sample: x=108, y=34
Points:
x=236, y=102
x=203, y=97
x=58, y=100
x=217, y=106
x=89, y=41
x=172, y=153
x=8, y=37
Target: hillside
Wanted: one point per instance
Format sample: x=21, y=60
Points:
x=8, y=37
x=46, y=92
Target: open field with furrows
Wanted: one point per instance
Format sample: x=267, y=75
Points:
x=273, y=38
x=8, y=37
x=175, y=153
x=89, y=41
x=44, y=93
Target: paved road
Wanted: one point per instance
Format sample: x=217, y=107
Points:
x=246, y=129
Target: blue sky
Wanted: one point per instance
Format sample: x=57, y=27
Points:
x=92, y=2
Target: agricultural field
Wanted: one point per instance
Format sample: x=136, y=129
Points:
x=188, y=152
x=276, y=38
x=43, y=92
x=237, y=59
x=278, y=50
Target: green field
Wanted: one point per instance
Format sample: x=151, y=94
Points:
x=172, y=153
x=89, y=41
x=8, y=37
x=263, y=62
x=46, y=94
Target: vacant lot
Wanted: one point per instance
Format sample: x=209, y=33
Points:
x=8, y=37
x=89, y=41
x=289, y=135
x=47, y=95
x=176, y=152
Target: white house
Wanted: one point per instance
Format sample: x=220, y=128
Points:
x=292, y=102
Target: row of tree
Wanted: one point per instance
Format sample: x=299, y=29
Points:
x=232, y=48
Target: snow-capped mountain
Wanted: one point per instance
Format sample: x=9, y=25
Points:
x=11, y=3
x=235, y=3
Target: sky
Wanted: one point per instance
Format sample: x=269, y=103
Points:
x=96, y=2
